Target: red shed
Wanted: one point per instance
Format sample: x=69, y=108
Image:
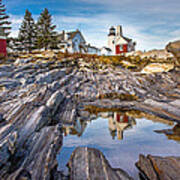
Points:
x=3, y=46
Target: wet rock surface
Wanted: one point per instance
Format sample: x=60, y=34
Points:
x=38, y=94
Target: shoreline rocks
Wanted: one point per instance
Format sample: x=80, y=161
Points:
x=159, y=168
x=90, y=163
x=174, y=48
x=39, y=95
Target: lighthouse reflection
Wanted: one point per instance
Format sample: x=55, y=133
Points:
x=117, y=123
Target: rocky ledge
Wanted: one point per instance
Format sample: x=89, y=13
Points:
x=40, y=93
x=90, y=163
x=159, y=168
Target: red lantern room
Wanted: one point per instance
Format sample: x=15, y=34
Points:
x=3, y=44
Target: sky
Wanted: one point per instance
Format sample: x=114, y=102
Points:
x=152, y=24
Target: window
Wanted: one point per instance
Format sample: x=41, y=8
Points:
x=121, y=47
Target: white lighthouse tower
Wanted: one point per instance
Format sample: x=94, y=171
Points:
x=112, y=39
x=118, y=43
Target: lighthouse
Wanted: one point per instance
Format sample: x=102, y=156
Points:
x=118, y=43
x=112, y=39
x=3, y=43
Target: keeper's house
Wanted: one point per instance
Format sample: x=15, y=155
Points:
x=74, y=42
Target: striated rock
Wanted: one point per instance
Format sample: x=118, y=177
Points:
x=156, y=53
x=89, y=163
x=54, y=101
x=20, y=61
x=173, y=133
x=37, y=96
x=174, y=48
x=50, y=76
x=39, y=157
x=1, y=117
x=159, y=168
x=5, y=74
x=6, y=68
x=159, y=109
x=30, y=134
x=157, y=67
x=9, y=83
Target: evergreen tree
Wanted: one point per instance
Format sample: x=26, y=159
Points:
x=47, y=37
x=4, y=23
x=27, y=33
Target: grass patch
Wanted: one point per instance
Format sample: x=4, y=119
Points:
x=122, y=97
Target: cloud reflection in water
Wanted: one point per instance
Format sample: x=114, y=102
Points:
x=121, y=150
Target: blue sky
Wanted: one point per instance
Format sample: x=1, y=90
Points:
x=152, y=24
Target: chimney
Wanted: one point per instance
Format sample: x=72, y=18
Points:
x=63, y=34
x=66, y=36
x=119, y=31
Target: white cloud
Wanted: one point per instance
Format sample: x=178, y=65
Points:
x=150, y=6
x=95, y=29
x=150, y=34
x=175, y=33
x=16, y=21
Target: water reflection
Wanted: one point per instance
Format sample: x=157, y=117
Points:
x=121, y=137
x=75, y=129
x=172, y=134
x=117, y=123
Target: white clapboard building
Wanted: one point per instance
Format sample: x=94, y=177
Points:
x=74, y=42
x=118, y=43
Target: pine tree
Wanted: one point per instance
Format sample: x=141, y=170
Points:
x=47, y=37
x=28, y=32
x=4, y=23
